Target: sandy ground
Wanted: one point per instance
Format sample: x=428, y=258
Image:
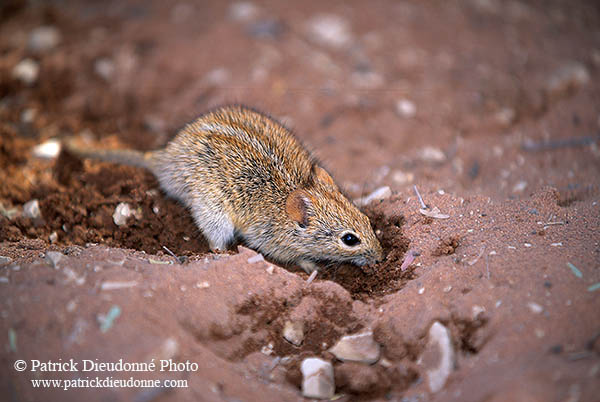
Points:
x=491, y=108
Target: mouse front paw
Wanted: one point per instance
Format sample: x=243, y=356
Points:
x=308, y=266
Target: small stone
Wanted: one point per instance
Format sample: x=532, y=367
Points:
x=31, y=209
x=168, y=349
x=293, y=332
x=47, y=150
x=421, y=291
x=535, y=308
x=202, y=285
x=26, y=71
x=71, y=306
x=380, y=194
x=5, y=260
x=317, y=378
x=360, y=348
x=330, y=30
x=440, y=348
x=447, y=289
x=44, y=38
x=53, y=238
x=242, y=11
x=432, y=154
x=381, y=173
x=405, y=108
x=570, y=76
x=270, y=270
x=105, y=68
x=122, y=212
x=116, y=285
x=506, y=116
x=520, y=186
x=218, y=76
x=28, y=115
x=401, y=177
x=267, y=349
x=476, y=311
x=53, y=258
x=256, y=258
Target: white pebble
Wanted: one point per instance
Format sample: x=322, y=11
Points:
x=360, y=348
x=432, y=154
x=28, y=115
x=116, y=285
x=44, y=38
x=202, y=285
x=242, y=11
x=439, y=338
x=71, y=306
x=380, y=194
x=317, y=378
x=505, y=116
x=520, y=186
x=267, y=349
x=329, y=29
x=105, y=68
x=47, y=150
x=401, y=177
x=405, y=108
x=421, y=291
x=256, y=258
x=293, y=332
x=218, y=76
x=31, y=209
x=53, y=257
x=122, y=212
x=570, y=75
x=53, y=238
x=26, y=71
x=476, y=310
x=535, y=308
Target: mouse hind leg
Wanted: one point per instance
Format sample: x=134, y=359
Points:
x=215, y=226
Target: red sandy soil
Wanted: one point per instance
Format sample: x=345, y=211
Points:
x=504, y=139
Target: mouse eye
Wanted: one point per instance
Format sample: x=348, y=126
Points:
x=350, y=240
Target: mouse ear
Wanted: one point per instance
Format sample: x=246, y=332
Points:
x=323, y=176
x=296, y=206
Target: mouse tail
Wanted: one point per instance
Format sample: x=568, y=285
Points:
x=130, y=157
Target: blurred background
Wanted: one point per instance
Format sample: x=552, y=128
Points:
x=484, y=96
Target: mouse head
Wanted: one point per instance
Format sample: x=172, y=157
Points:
x=328, y=226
